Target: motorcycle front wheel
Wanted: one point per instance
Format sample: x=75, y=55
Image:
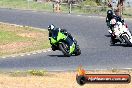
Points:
x=126, y=40
x=78, y=50
x=64, y=48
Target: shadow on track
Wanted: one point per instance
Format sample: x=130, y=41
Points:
x=118, y=44
x=123, y=45
x=57, y=55
x=107, y=35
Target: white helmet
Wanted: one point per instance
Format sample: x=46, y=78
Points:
x=51, y=27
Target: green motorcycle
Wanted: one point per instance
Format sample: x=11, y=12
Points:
x=59, y=40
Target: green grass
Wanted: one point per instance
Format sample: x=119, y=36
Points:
x=26, y=73
x=24, y=4
x=48, y=6
x=9, y=37
x=45, y=6
x=15, y=40
x=89, y=2
x=36, y=72
x=13, y=3
x=127, y=12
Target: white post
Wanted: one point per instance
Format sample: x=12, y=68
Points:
x=70, y=8
x=28, y=3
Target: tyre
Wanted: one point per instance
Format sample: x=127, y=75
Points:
x=78, y=51
x=81, y=80
x=64, y=48
x=126, y=40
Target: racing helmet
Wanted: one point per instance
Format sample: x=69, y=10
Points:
x=110, y=12
x=51, y=27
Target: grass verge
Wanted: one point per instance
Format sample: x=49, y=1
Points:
x=15, y=39
x=55, y=80
x=24, y=4
x=48, y=6
x=26, y=73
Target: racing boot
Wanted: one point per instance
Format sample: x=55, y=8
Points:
x=54, y=48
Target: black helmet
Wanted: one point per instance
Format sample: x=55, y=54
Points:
x=109, y=12
x=51, y=27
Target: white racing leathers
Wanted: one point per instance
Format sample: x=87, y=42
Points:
x=122, y=33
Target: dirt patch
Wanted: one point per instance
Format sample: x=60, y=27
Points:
x=30, y=35
x=15, y=45
x=54, y=80
x=16, y=39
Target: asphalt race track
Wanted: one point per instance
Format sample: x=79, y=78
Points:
x=91, y=33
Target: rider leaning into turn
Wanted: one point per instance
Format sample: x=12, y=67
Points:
x=52, y=29
x=113, y=23
x=110, y=16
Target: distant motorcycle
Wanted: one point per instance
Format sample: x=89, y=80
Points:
x=122, y=34
x=58, y=40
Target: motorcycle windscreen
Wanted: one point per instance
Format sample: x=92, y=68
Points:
x=55, y=34
x=54, y=37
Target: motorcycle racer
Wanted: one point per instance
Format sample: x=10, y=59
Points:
x=117, y=27
x=110, y=16
x=53, y=30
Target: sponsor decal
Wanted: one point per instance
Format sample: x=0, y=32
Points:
x=83, y=78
